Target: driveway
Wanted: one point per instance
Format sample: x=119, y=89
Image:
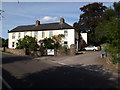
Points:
x=87, y=58
x=81, y=71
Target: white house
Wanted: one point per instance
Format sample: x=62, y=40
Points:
x=41, y=31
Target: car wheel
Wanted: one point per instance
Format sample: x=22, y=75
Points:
x=94, y=50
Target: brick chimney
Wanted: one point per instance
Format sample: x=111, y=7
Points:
x=37, y=22
x=62, y=20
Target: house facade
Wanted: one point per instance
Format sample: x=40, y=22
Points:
x=41, y=31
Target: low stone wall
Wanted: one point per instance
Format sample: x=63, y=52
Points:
x=42, y=52
x=15, y=51
x=62, y=52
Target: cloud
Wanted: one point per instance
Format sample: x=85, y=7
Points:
x=47, y=19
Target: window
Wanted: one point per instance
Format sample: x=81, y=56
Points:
x=25, y=33
x=50, y=33
x=13, y=36
x=30, y=33
x=13, y=44
x=16, y=44
x=66, y=33
x=35, y=34
x=43, y=34
x=65, y=42
x=19, y=35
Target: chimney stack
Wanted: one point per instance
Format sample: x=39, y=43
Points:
x=62, y=20
x=37, y=23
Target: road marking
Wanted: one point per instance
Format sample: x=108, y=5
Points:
x=6, y=84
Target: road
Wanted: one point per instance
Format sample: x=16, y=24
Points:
x=80, y=71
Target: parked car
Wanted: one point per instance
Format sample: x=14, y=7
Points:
x=93, y=48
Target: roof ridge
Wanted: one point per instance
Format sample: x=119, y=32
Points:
x=46, y=26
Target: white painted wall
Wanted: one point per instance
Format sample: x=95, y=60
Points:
x=84, y=36
x=70, y=38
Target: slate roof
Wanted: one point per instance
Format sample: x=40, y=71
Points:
x=42, y=27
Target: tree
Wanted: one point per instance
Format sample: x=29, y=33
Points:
x=3, y=42
x=27, y=42
x=117, y=9
x=90, y=19
x=108, y=29
x=48, y=43
x=57, y=39
x=53, y=42
x=112, y=29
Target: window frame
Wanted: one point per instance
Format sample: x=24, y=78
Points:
x=13, y=35
x=50, y=33
x=65, y=41
x=25, y=33
x=13, y=44
x=19, y=35
x=66, y=33
x=43, y=34
x=36, y=34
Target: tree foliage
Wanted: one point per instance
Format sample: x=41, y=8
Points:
x=90, y=19
x=117, y=9
x=109, y=31
x=27, y=42
x=91, y=14
x=53, y=42
x=57, y=40
x=3, y=42
x=48, y=43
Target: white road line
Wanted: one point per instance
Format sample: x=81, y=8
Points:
x=6, y=84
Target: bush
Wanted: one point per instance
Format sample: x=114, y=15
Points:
x=112, y=50
x=62, y=48
x=27, y=42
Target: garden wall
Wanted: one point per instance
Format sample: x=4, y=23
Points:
x=42, y=52
x=15, y=51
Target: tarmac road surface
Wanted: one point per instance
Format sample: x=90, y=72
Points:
x=80, y=71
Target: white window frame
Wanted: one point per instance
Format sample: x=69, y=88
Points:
x=13, y=44
x=50, y=33
x=43, y=34
x=13, y=35
x=25, y=33
x=36, y=34
x=65, y=33
x=19, y=35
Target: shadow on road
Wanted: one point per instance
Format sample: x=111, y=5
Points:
x=13, y=58
x=91, y=76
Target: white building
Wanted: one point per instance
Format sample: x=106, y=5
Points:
x=41, y=31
